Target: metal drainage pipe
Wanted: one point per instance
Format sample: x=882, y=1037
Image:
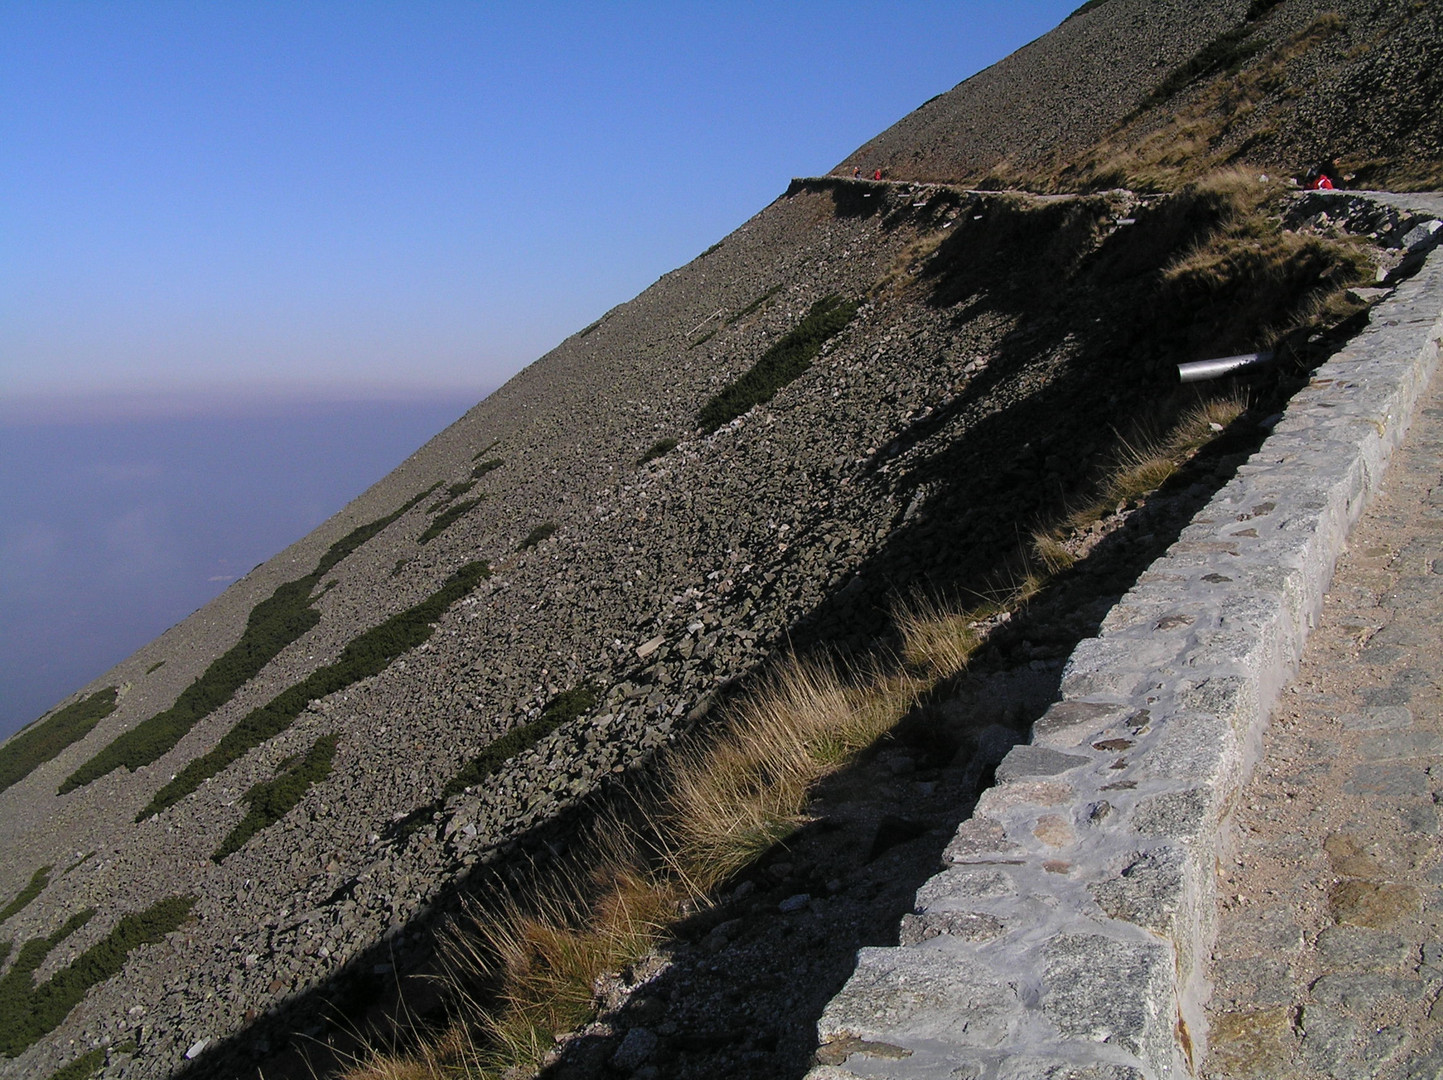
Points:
x=1202, y=370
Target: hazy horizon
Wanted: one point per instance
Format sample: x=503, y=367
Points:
x=116, y=529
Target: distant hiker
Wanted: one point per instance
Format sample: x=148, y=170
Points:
x=856, y=172
x=1323, y=177
x=877, y=175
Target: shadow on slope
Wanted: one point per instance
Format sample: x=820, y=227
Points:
x=1092, y=352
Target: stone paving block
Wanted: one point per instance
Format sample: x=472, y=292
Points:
x=1361, y=992
x=1180, y=814
x=1268, y=979
x=1361, y=947
x=929, y=992
x=1378, y=718
x=1148, y=890
x=1394, y=745
x=1388, y=780
x=1101, y=989
x=1024, y=762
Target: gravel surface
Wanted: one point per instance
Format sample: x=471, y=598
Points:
x=1329, y=961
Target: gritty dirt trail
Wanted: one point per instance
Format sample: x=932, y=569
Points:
x=1329, y=959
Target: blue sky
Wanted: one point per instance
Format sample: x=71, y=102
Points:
x=305, y=197
x=252, y=254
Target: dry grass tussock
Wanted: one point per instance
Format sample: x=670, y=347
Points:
x=536, y=953
x=1204, y=134
x=1145, y=462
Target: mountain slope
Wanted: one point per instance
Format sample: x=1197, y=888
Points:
x=997, y=345
x=1276, y=85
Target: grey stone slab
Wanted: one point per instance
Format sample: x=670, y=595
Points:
x=1395, y=745
x=1387, y=779
x=1101, y=989
x=961, y=887
x=926, y=993
x=1264, y=930
x=1268, y=980
x=1360, y=992
x=1148, y=890
x=1023, y=762
x=1364, y=947
x=1329, y=1038
x=1051, y=1068
x=1060, y=723
x=1419, y=818
x=1378, y=718
x=1425, y=1063
x=1174, y=813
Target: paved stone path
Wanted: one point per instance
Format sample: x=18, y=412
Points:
x=1329, y=959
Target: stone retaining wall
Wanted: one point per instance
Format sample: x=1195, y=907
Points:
x=1067, y=936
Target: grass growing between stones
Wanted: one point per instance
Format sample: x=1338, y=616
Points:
x=274, y=623
x=724, y=800
x=536, y=535
x=273, y=799
x=660, y=448
x=369, y=654
x=783, y=362
x=33, y=888
x=32, y=1011
x=33, y=747
x=561, y=709
x=85, y=1065
x=449, y=518
x=1230, y=86
x=452, y=492
x=1141, y=465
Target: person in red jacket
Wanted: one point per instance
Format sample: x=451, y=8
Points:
x=877, y=175
x=1323, y=177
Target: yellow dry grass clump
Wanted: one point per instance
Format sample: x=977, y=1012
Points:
x=1201, y=136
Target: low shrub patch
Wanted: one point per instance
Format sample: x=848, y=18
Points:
x=561, y=709
x=758, y=302
x=656, y=450
x=155, y=667
x=454, y=491
x=31, y=1011
x=272, y=799
x=443, y=521
x=1225, y=53
x=536, y=535
x=780, y=364
x=38, y=881
x=36, y=745
x=490, y=465
x=274, y=623
x=367, y=655
x=81, y=1067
